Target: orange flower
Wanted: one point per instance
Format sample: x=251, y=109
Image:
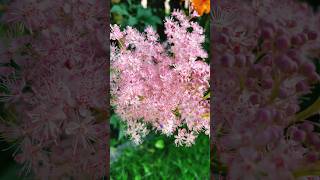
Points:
x=201, y=6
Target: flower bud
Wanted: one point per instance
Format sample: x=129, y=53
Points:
x=307, y=68
x=278, y=116
x=285, y=64
x=302, y=86
x=293, y=54
x=283, y=93
x=267, y=60
x=227, y=60
x=298, y=135
x=263, y=115
x=307, y=126
x=254, y=99
x=313, y=138
x=292, y=109
x=267, y=83
x=312, y=35
x=282, y=43
x=296, y=40
x=250, y=83
x=255, y=71
x=266, y=33
x=240, y=60
x=236, y=49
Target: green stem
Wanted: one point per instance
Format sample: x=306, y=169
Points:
x=275, y=91
x=242, y=84
x=310, y=170
x=311, y=110
x=207, y=96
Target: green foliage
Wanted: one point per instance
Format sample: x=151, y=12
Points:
x=133, y=14
x=118, y=134
x=159, y=158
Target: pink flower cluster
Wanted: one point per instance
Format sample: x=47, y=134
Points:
x=53, y=79
x=263, y=55
x=161, y=85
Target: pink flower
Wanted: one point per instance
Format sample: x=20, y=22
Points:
x=116, y=33
x=162, y=85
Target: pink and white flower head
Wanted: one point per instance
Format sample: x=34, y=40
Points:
x=161, y=86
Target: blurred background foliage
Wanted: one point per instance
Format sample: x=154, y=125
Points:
x=157, y=157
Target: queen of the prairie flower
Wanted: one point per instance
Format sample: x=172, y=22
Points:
x=162, y=85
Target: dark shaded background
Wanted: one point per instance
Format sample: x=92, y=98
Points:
x=8, y=167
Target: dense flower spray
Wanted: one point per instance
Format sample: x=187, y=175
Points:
x=263, y=55
x=161, y=85
x=53, y=84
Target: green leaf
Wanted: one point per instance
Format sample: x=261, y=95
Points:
x=154, y=21
x=159, y=144
x=119, y=9
x=207, y=96
x=146, y=16
x=115, y=120
x=143, y=13
x=146, y=169
x=113, y=143
x=132, y=21
x=122, y=132
x=311, y=110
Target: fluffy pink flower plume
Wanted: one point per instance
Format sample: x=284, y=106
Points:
x=263, y=53
x=158, y=86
